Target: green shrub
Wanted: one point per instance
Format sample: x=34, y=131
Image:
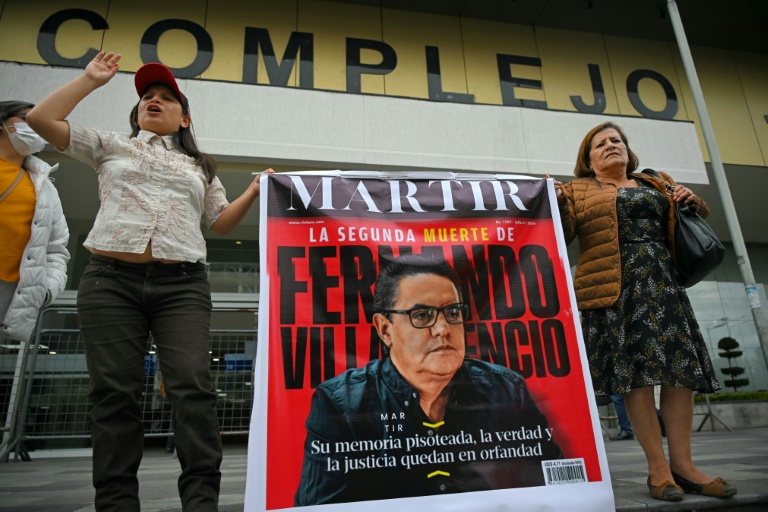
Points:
x=728, y=345
x=731, y=397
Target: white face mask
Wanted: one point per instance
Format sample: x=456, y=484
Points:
x=25, y=140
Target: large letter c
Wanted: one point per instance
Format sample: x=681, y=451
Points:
x=46, y=38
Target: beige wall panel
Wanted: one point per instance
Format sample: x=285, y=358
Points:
x=482, y=41
x=20, y=24
x=565, y=57
x=734, y=83
x=129, y=19
x=627, y=55
x=226, y=23
x=409, y=33
x=687, y=99
x=753, y=72
x=332, y=23
x=726, y=105
x=729, y=111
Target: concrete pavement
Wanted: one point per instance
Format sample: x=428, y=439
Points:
x=60, y=481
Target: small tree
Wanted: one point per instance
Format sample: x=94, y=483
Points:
x=728, y=348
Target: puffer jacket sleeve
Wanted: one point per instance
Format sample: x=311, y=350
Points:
x=57, y=255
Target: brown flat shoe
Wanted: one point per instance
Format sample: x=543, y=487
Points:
x=717, y=488
x=666, y=491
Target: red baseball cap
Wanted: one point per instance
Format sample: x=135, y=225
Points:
x=157, y=73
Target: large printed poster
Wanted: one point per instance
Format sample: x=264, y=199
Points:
x=419, y=341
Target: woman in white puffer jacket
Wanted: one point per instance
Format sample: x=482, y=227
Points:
x=33, y=230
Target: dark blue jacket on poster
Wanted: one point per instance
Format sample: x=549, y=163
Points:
x=368, y=438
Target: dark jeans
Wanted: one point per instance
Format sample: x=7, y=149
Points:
x=119, y=304
x=621, y=412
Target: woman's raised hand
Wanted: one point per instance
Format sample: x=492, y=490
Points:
x=48, y=118
x=103, y=67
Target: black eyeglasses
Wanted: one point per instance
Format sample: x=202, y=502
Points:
x=424, y=317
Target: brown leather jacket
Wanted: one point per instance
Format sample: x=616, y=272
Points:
x=588, y=210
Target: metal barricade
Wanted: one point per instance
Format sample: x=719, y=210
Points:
x=55, y=404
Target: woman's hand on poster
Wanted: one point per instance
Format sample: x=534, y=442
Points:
x=255, y=186
x=558, y=186
x=102, y=68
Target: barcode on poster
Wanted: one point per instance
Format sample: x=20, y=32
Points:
x=564, y=471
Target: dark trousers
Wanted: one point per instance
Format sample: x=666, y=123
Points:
x=119, y=304
x=621, y=413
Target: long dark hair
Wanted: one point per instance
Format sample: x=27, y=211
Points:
x=11, y=108
x=185, y=140
x=583, y=168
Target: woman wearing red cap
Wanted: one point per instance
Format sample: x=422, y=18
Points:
x=146, y=275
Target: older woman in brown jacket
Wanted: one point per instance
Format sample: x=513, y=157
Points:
x=638, y=324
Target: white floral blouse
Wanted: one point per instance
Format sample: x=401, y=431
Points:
x=148, y=190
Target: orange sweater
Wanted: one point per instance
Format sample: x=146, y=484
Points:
x=16, y=213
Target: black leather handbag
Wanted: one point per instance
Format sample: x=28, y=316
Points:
x=697, y=249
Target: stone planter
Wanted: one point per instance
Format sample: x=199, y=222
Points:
x=737, y=414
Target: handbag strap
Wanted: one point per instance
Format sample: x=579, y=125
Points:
x=652, y=173
x=13, y=185
x=655, y=174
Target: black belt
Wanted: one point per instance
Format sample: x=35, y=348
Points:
x=152, y=266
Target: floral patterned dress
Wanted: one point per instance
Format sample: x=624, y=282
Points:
x=650, y=336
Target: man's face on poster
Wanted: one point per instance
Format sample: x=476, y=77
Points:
x=417, y=353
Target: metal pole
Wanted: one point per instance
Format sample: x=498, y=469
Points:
x=720, y=180
x=15, y=404
x=21, y=450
